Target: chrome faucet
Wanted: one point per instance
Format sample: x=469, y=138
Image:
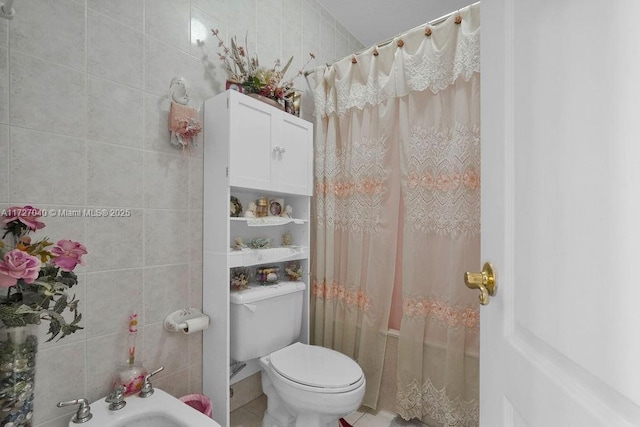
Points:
x=116, y=399
x=147, y=388
x=83, y=414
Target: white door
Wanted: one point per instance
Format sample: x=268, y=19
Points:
x=560, y=342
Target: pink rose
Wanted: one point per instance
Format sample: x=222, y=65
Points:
x=17, y=264
x=68, y=254
x=27, y=215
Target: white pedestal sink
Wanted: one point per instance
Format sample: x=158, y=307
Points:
x=158, y=410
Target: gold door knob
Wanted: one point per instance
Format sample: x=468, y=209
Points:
x=485, y=281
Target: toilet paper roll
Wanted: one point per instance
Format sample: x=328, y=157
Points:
x=196, y=324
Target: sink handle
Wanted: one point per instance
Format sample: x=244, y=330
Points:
x=147, y=388
x=116, y=399
x=83, y=414
x=160, y=369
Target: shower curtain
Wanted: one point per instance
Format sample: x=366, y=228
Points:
x=398, y=151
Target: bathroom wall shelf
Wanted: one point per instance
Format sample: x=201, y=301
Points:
x=250, y=257
x=268, y=221
x=251, y=151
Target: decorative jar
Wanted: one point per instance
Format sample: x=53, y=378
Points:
x=262, y=205
x=268, y=274
x=131, y=377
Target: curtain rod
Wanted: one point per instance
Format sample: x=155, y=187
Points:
x=386, y=42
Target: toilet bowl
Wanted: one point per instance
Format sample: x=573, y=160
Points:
x=310, y=386
x=306, y=385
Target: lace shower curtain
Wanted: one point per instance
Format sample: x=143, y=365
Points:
x=400, y=124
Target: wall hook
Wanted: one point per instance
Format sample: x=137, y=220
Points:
x=6, y=10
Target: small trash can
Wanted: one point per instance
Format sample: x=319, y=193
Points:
x=199, y=402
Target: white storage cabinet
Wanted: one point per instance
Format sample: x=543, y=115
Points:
x=251, y=150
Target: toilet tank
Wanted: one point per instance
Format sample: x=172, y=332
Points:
x=265, y=319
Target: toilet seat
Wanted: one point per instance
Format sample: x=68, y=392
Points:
x=316, y=369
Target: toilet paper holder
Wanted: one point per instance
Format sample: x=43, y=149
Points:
x=179, y=320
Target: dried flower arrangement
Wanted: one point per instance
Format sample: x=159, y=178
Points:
x=246, y=71
x=239, y=278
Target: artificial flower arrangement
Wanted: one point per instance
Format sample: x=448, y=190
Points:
x=246, y=71
x=36, y=275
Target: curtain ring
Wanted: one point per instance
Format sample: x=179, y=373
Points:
x=458, y=19
x=427, y=31
x=400, y=43
x=375, y=51
x=354, y=60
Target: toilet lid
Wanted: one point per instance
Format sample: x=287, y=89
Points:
x=315, y=366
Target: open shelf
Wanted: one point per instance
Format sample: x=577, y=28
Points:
x=268, y=221
x=250, y=257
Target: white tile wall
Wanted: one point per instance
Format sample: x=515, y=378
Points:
x=168, y=349
x=114, y=176
x=166, y=181
x=165, y=239
x=4, y=162
x=51, y=30
x=114, y=113
x=4, y=82
x=215, y=7
x=46, y=96
x=203, y=42
x=59, y=365
x=83, y=124
x=46, y=157
x=166, y=287
x=269, y=46
x=115, y=243
x=4, y=33
x=163, y=63
x=168, y=21
x=115, y=52
x=127, y=12
x=117, y=292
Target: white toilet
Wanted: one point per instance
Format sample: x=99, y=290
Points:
x=306, y=386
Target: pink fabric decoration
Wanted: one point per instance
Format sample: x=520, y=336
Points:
x=178, y=114
x=183, y=124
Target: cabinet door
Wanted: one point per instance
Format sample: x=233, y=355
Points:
x=295, y=156
x=252, y=128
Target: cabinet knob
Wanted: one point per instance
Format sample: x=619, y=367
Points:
x=282, y=150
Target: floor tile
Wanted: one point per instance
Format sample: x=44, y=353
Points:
x=257, y=406
x=353, y=417
x=250, y=415
x=243, y=418
x=375, y=419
